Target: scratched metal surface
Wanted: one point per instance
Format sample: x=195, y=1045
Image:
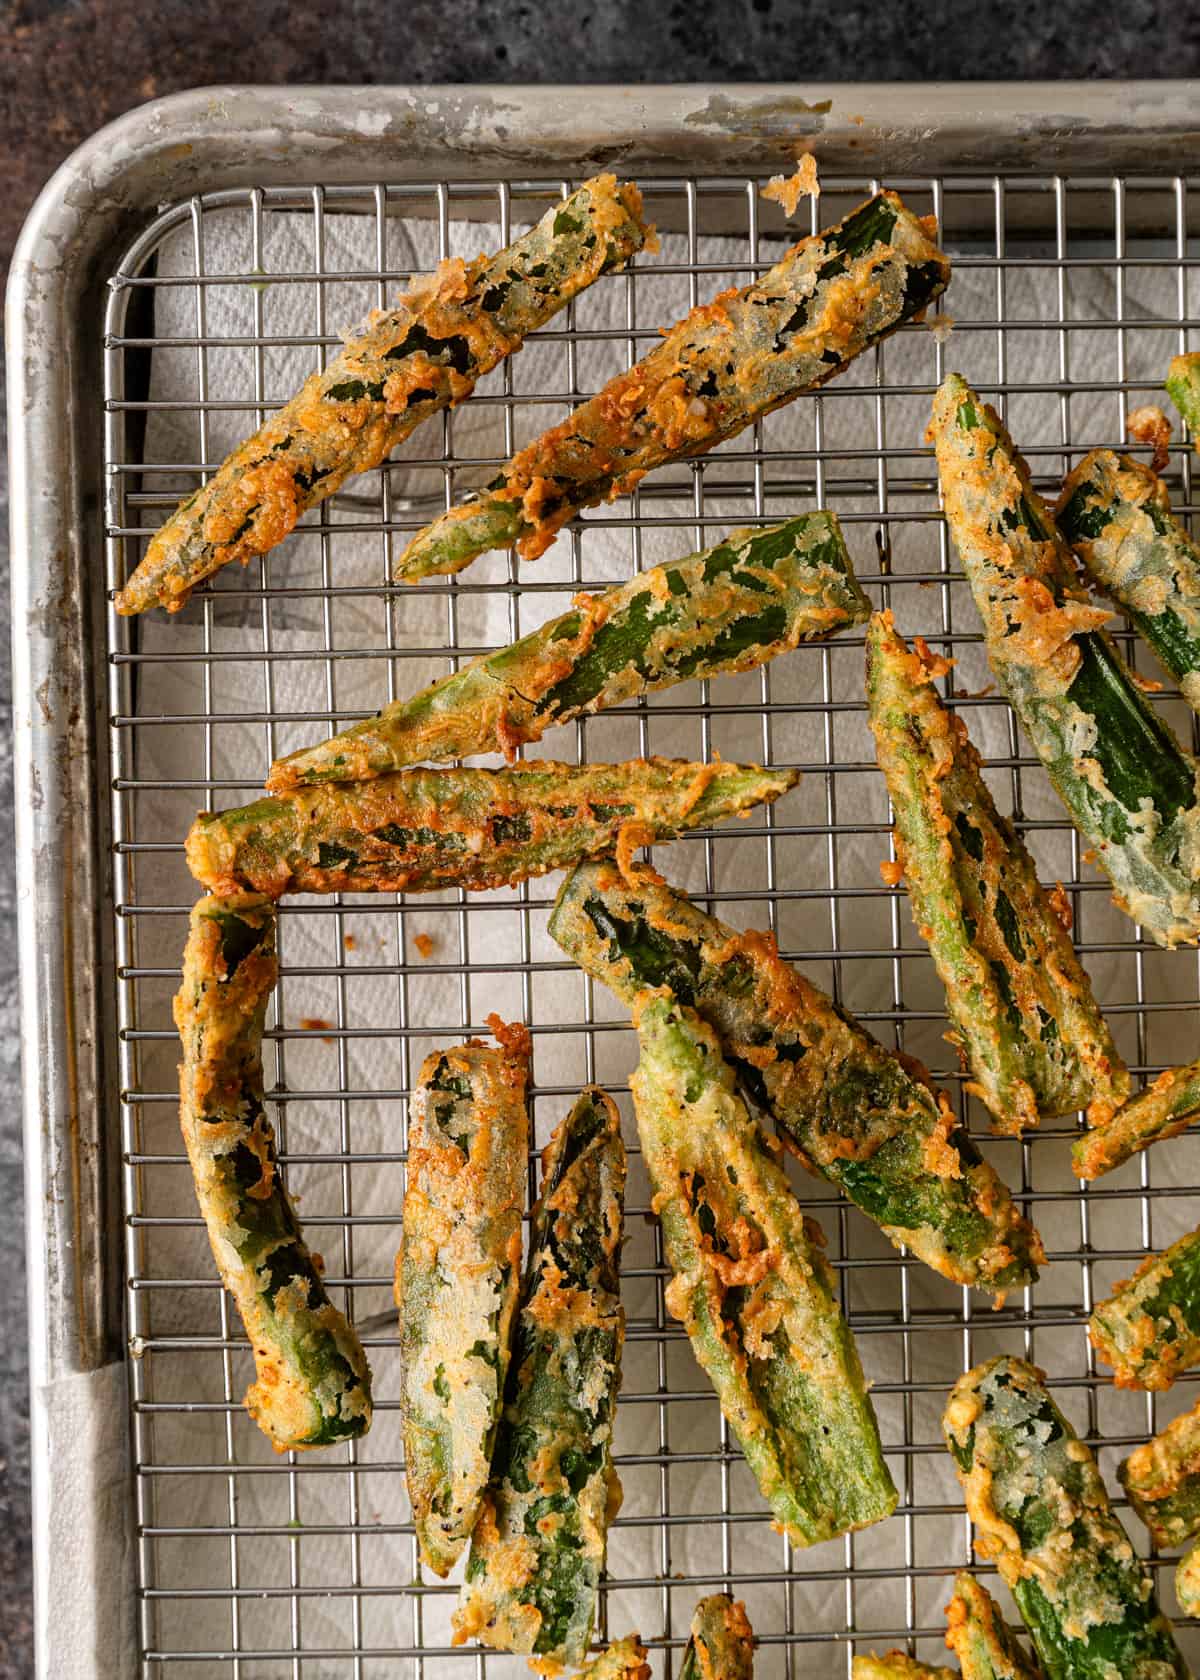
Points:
x=253, y=1565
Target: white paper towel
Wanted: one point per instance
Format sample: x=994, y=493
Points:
x=87, y=1560
x=799, y=1597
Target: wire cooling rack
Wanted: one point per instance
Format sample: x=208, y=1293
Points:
x=1068, y=300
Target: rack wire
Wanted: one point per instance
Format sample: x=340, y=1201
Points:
x=250, y=1565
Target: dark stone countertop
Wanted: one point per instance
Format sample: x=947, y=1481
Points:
x=69, y=66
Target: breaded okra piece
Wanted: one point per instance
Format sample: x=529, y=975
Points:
x=1020, y=1005
x=844, y=1104
x=1187, y=1581
x=1162, y=1479
x=729, y=608
x=537, y=1553
x=420, y=830
x=458, y=1274
x=423, y=355
x=1164, y=1109
x=1149, y=1328
x=1183, y=388
x=752, y=1287
x=725, y=365
x=1042, y=1512
x=1116, y=514
x=894, y=1665
x=721, y=1643
x=1130, y=788
x=981, y=1639
x=314, y=1385
x=624, y=1659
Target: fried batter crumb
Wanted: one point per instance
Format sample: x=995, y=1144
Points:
x=1149, y=425
x=426, y=945
x=512, y=1036
x=933, y=665
x=1061, y=906
x=789, y=190
x=630, y=836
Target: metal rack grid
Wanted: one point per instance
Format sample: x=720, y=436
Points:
x=245, y=1582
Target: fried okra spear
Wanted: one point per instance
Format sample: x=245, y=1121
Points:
x=1148, y=1329
x=423, y=355
x=752, y=1287
x=721, y=1642
x=1116, y=514
x=1042, y=1512
x=624, y=1659
x=1187, y=1581
x=538, y=1549
x=313, y=1385
x=1183, y=388
x=1162, y=1479
x=457, y=1277
x=981, y=1639
x=420, y=830
x=729, y=608
x=894, y=1665
x=1020, y=1005
x=1130, y=788
x=1164, y=1109
x=715, y=372
x=849, y=1109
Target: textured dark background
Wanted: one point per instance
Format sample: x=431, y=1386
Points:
x=69, y=66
